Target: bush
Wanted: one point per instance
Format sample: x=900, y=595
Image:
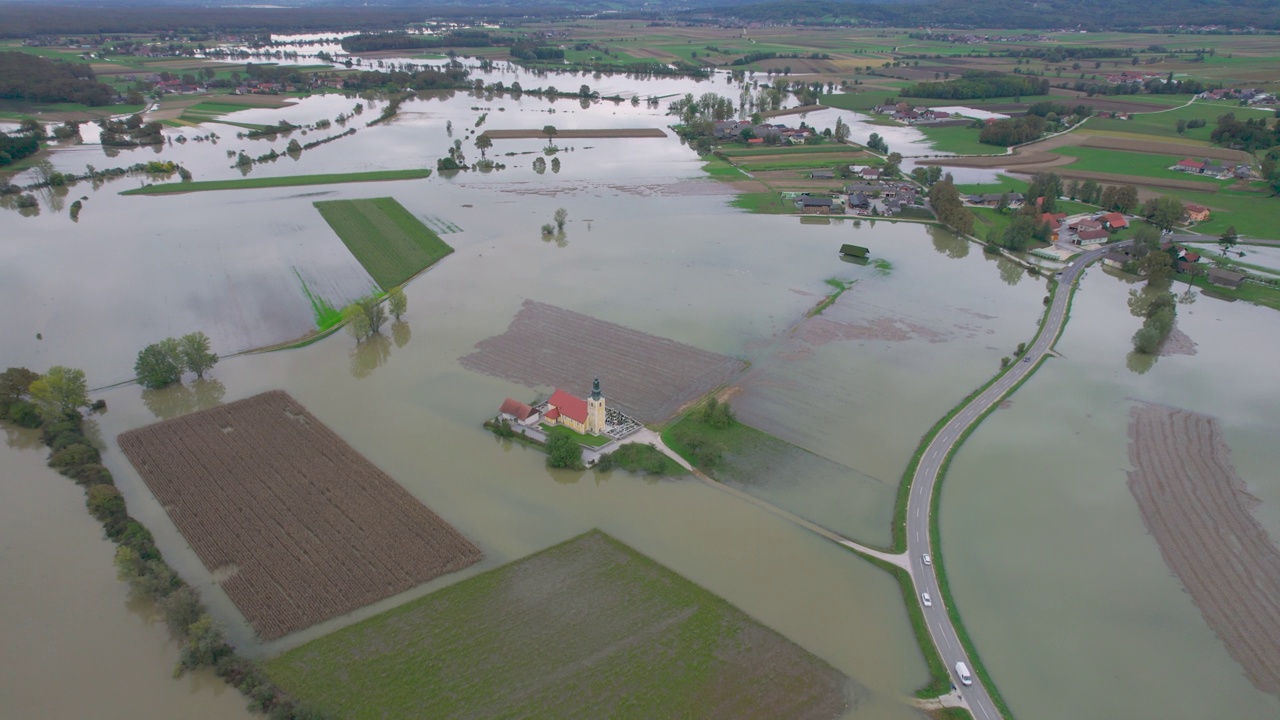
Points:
x=52, y=430
x=90, y=474
x=563, y=451
x=74, y=454
x=181, y=609
x=24, y=414
x=104, y=502
x=67, y=439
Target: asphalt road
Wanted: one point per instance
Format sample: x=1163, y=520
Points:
x=975, y=696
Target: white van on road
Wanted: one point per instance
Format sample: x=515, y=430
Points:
x=962, y=672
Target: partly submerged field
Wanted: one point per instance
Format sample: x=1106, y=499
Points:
x=388, y=240
x=298, y=525
x=588, y=628
x=250, y=183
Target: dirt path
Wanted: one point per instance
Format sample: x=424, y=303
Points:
x=1198, y=510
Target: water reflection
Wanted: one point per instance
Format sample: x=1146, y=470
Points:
x=1010, y=272
x=1140, y=363
x=180, y=399
x=400, y=333
x=21, y=438
x=953, y=246
x=370, y=355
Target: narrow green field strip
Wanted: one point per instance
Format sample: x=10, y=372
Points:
x=250, y=183
x=384, y=237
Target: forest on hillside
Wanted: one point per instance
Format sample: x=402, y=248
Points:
x=30, y=77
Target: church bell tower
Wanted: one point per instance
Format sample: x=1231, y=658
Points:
x=595, y=409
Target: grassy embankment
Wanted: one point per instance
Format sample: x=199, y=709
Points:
x=958, y=139
x=637, y=458
x=588, y=440
x=251, y=183
x=839, y=287
x=387, y=239
x=1264, y=295
x=587, y=628
x=1117, y=162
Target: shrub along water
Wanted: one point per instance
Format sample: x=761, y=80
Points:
x=140, y=563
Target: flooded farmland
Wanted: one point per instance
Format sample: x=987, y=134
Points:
x=650, y=246
x=1064, y=590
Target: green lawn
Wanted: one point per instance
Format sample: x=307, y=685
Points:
x=588, y=628
x=721, y=170
x=1133, y=163
x=1252, y=214
x=248, y=183
x=588, y=440
x=693, y=439
x=1006, y=184
x=388, y=240
x=766, y=203
x=1164, y=124
x=735, y=151
x=959, y=139
x=637, y=457
x=1264, y=295
x=862, y=101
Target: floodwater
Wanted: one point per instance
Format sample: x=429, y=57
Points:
x=73, y=644
x=1067, y=596
x=649, y=245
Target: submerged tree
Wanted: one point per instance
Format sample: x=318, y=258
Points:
x=483, y=143
x=159, y=364
x=397, y=303
x=561, y=217
x=196, y=356
x=59, y=392
x=550, y=131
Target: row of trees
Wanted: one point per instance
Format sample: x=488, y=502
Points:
x=1154, y=303
x=1012, y=131
x=976, y=84
x=366, y=316
x=162, y=364
x=57, y=397
x=24, y=76
x=949, y=208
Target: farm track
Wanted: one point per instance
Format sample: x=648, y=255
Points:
x=303, y=526
x=1198, y=511
x=649, y=376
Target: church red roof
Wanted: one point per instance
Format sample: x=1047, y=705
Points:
x=516, y=409
x=570, y=406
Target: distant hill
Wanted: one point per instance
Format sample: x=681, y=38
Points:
x=1008, y=14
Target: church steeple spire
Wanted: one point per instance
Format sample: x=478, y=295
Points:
x=595, y=389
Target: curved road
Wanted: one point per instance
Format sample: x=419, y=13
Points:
x=975, y=697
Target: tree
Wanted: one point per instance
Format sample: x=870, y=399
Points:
x=1126, y=198
x=1157, y=266
x=892, y=161
x=1164, y=212
x=15, y=383
x=357, y=321
x=1181, y=127
x=561, y=217
x=195, y=354
x=548, y=229
x=550, y=131
x=842, y=130
x=397, y=303
x=1228, y=239
x=206, y=644
x=373, y=311
x=563, y=451
x=483, y=143
x=159, y=364
x=59, y=392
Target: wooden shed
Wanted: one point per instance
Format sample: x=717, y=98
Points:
x=854, y=250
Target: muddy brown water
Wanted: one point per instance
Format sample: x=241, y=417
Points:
x=638, y=251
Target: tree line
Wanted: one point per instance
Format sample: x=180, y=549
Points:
x=54, y=402
x=977, y=84
x=162, y=364
x=372, y=42
x=24, y=76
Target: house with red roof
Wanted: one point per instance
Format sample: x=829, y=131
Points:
x=582, y=416
x=1054, y=221
x=1196, y=213
x=1114, y=220
x=1092, y=236
x=514, y=410
x=1189, y=165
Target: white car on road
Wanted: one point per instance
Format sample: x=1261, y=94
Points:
x=928, y=601
x=926, y=559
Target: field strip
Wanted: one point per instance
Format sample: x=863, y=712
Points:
x=589, y=628
x=648, y=376
x=295, y=523
x=570, y=134
x=284, y=181
x=1199, y=512
x=1163, y=148
x=387, y=239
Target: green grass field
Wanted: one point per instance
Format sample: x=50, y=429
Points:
x=959, y=139
x=721, y=170
x=587, y=628
x=249, y=183
x=388, y=240
x=765, y=203
x=1252, y=214
x=1133, y=163
x=588, y=440
x=1164, y=124
x=743, y=151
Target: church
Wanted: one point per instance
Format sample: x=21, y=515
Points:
x=583, y=416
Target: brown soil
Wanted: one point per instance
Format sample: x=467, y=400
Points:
x=563, y=134
x=1198, y=511
x=313, y=529
x=645, y=375
x=1178, y=343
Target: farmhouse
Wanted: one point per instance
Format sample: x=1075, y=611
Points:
x=1114, y=220
x=1225, y=278
x=814, y=205
x=1189, y=165
x=583, y=416
x=1196, y=213
x=516, y=411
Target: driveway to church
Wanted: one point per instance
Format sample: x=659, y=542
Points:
x=923, y=483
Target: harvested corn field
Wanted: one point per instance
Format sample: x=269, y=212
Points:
x=299, y=525
x=647, y=376
x=586, y=629
x=1198, y=510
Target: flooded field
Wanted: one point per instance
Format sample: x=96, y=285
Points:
x=650, y=245
x=1065, y=592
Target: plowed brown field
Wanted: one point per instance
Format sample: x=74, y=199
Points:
x=645, y=375
x=1197, y=509
x=303, y=527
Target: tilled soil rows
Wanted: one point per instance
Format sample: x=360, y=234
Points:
x=1197, y=509
x=645, y=375
x=310, y=528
